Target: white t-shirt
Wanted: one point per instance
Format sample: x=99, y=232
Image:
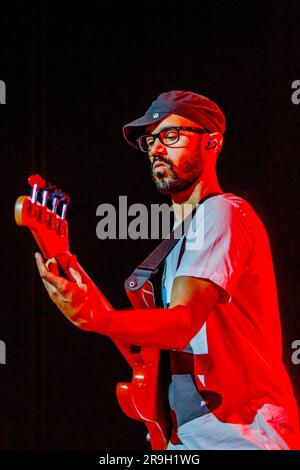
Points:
x=239, y=384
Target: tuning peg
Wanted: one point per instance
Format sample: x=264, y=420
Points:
x=55, y=203
x=63, y=198
x=59, y=194
x=36, y=182
x=43, y=196
x=66, y=202
x=52, y=218
x=42, y=210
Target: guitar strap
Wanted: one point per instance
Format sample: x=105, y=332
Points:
x=150, y=265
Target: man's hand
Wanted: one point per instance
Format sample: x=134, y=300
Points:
x=70, y=297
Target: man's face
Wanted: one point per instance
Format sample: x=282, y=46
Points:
x=175, y=167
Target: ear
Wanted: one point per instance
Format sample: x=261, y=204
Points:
x=212, y=142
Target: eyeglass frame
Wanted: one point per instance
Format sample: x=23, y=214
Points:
x=197, y=130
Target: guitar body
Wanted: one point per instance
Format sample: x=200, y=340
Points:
x=145, y=398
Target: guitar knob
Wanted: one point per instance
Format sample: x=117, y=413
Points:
x=148, y=437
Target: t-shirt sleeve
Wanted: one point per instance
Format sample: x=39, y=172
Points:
x=218, y=244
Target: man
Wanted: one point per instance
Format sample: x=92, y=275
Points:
x=221, y=324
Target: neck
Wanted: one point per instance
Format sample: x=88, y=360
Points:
x=185, y=201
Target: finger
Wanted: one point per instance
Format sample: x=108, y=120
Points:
x=55, y=295
x=77, y=277
x=49, y=287
x=60, y=283
x=52, y=291
x=40, y=264
x=51, y=265
x=59, y=288
x=44, y=267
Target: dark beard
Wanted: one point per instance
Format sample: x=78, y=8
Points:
x=173, y=183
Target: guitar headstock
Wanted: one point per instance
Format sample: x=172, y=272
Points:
x=44, y=213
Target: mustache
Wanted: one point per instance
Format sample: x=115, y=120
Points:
x=159, y=158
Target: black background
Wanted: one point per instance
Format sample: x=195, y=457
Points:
x=75, y=73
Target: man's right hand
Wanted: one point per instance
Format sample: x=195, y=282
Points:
x=70, y=297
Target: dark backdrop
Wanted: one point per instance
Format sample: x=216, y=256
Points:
x=74, y=75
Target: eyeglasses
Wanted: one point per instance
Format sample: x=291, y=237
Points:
x=167, y=136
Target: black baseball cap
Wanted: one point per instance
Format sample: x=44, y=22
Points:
x=197, y=108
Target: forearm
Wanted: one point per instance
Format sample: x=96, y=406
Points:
x=82, y=304
x=156, y=328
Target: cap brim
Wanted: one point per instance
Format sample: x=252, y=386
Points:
x=134, y=129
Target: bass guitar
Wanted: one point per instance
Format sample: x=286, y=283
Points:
x=145, y=397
